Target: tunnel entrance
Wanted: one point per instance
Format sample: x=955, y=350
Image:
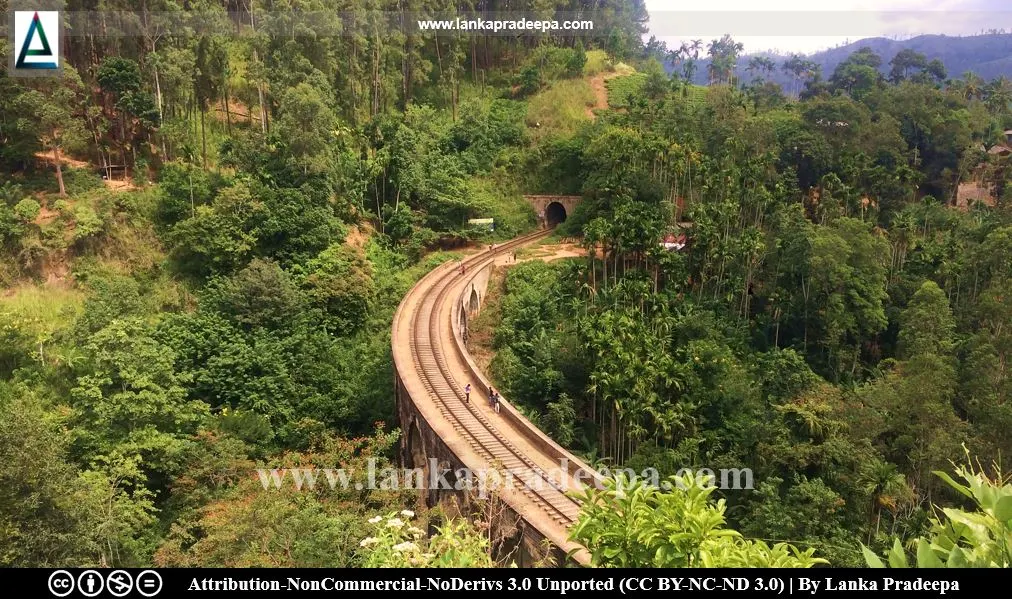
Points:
x=555, y=213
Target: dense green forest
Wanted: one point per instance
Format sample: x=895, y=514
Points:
x=205, y=231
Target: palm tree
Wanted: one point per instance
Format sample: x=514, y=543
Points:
x=887, y=487
x=689, y=70
x=760, y=67
x=690, y=54
x=754, y=65
x=972, y=85
x=696, y=47
x=681, y=54
x=795, y=65
x=999, y=95
x=713, y=69
x=724, y=58
x=675, y=58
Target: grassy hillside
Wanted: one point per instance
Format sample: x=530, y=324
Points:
x=560, y=109
x=565, y=105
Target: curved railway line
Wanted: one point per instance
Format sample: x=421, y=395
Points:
x=433, y=366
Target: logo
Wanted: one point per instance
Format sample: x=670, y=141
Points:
x=36, y=40
x=90, y=583
x=61, y=583
x=119, y=583
x=149, y=583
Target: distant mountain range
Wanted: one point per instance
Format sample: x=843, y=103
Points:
x=986, y=55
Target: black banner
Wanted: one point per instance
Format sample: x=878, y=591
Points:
x=209, y=582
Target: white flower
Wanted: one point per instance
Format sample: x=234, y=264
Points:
x=375, y=519
x=405, y=546
x=368, y=541
x=417, y=532
x=395, y=523
x=407, y=513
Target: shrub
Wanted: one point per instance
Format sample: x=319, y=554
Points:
x=397, y=543
x=961, y=538
x=634, y=524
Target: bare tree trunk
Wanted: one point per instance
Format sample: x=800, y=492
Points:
x=93, y=127
x=203, y=140
x=260, y=85
x=406, y=69
x=59, y=170
x=375, y=81
x=474, y=61
x=439, y=59
x=228, y=113
x=158, y=92
x=453, y=96
x=122, y=139
x=158, y=95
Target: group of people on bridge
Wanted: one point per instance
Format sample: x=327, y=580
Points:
x=492, y=248
x=493, y=396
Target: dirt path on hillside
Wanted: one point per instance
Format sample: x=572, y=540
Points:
x=546, y=253
x=113, y=184
x=597, y=83
x=48, y=157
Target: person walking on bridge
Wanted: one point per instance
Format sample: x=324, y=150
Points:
x=467, y=393
x=495, y=401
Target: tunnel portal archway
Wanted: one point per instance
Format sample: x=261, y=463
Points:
x=555, y=213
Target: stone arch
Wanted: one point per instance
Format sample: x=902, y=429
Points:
x=540, y=204
x=555, y=213
x=416, y=446
x=473, y=301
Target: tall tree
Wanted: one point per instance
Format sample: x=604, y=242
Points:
x=135, y=108
x=724, y=54
x=998, y=95
x=905, y=61
x=858, y=74
x=208, y=81
x=58, y=107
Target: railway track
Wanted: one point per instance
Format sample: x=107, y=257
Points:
x=430, y=359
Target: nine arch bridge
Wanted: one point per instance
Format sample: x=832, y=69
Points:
x=441, y=430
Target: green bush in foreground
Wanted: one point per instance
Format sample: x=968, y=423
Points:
x=959, y=538
x=397, y=543
x=634, y=524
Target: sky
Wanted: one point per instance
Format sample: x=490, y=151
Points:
x=807, y=26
